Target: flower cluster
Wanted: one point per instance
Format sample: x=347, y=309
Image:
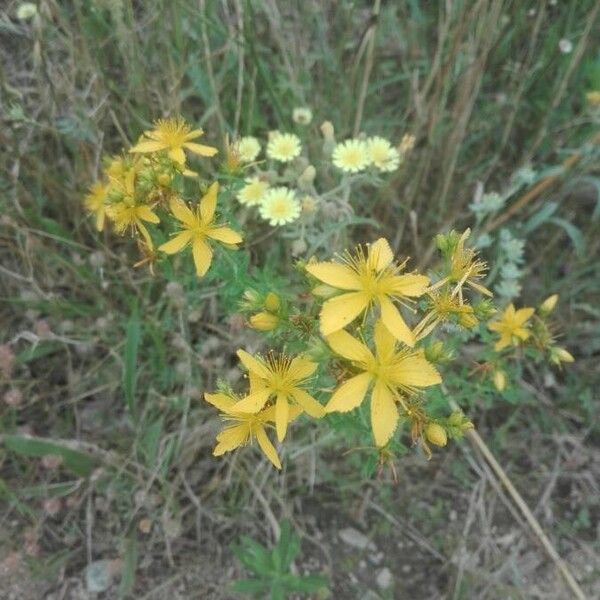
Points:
x=523, y=328
x=283, y=187
x=375, y=352
x=143, y=190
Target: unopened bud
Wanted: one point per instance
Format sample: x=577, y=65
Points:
x=499, y=380
x=548, y=305
x=264, y=321
x=306, y=180
x=164, y=179
x=272, y=302
x=436, y=434
x=560, y=355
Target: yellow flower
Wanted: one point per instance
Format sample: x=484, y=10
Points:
x=382, y=155
x=464, y=268
x=95, y=203
x=366, y=280
x=351, y=156
x=244, y=427
x=284, y=147
x=444, y=306
x=279, y=206
x=197, y=228
x=173, y=135
x=512, y=326
x=129, y=212
x=390, y=372
x=248, y=148
x=281, y=378
x=253, y=192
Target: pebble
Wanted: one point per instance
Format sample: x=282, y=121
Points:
x=384, y=579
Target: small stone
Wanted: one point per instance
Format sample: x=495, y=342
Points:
x=376, y=558
x=356, y=539
x=384, y=579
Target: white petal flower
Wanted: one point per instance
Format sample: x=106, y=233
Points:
x=351, y=156
x=279, y=206
x=253, y=192
x=284, y=147
x=382, y=154
x=248, y=148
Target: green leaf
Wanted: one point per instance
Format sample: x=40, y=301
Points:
x=540, y=217
x=150, y=441
x=130, y=557
x=132, y=342
x=250, y=586
x=308, y=584
x=574, y=234
x=80, y=463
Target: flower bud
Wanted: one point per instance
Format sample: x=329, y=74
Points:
x=164, y=179
x=436, y=435
x=264, y=321
x=499, y=380
x=272, y=302
x=302, y=116
x=406, y=144
x=306, y=180
x=547, y=306
x=560, y=355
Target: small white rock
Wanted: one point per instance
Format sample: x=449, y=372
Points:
x=384, y=579
x=356, y=539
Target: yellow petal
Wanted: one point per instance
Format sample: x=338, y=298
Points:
x=145, y=214
x=521, y=333
x=208, y=204
x=281, y=416
x=225, y=235
x=380, y=254
x=252, y=403
x=202, y=256
x=342, y=343
x=267, y=447
x=308, y=403
x=301, y=368
x=183, y=213
x=385, y=342
x=393, y=320
x=339, y=311
x=350, y=394
x=505, y=340
x=193, y=134
x=231, y=438
x=221, y=401
x=100, y=216
x=254, y=365
x=415, y=370
x=178, y=155
x=409, y=285
x=384, y=414
x=177, y=243
x=523, y=314
x=336, y=275
x=200, y=149
x=148, y=146
x=256, y=382
x=496, y=326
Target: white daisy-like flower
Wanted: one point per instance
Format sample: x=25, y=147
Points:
x=248, y=148
x=279, y=206
x=284, y=147
x=565, y=46
x=351, y=156
x=253, y=192
x=382, y=154
x=302, y=116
